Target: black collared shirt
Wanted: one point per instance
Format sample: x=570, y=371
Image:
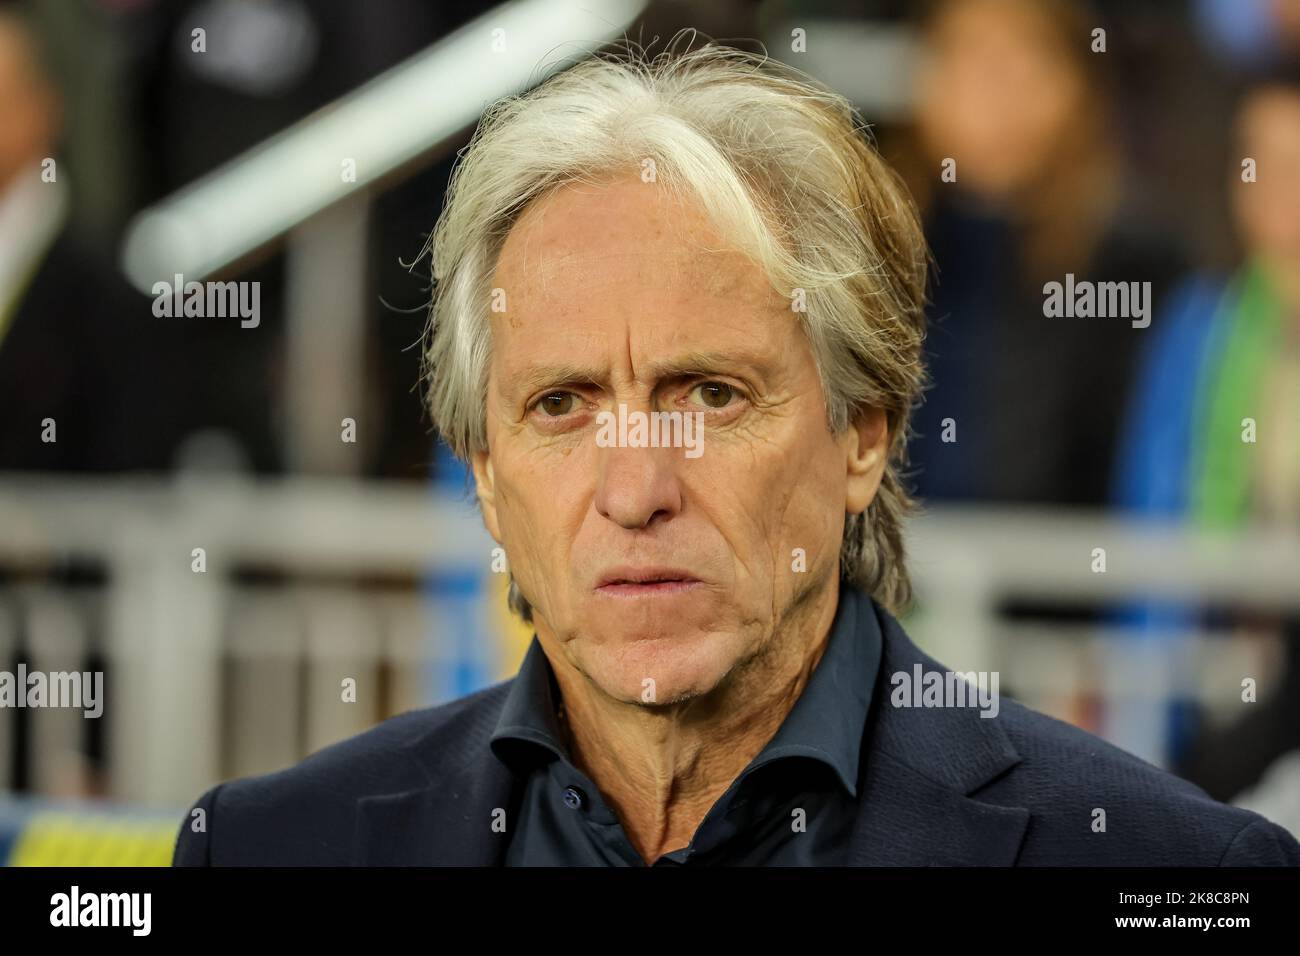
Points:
x=793, y=805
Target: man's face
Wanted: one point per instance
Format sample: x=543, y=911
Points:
x=619, y=295
x=1268, y=209
x=995, y=91
x=28, y=106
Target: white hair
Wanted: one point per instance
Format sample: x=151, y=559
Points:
x=783, y=167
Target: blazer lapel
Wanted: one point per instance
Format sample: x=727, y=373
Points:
x=921, y=769
x=905, y=819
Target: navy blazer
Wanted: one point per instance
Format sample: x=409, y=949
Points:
x=939, y=787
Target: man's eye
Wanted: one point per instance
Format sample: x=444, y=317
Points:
x=715, y=394
x=557, y=404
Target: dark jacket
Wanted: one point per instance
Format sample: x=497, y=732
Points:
x=940, y=786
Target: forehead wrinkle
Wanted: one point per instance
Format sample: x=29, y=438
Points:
x=552, y=263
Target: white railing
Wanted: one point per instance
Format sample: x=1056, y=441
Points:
x=212, y=676
x=165, y=625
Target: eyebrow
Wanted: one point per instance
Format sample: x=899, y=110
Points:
x=681, y=366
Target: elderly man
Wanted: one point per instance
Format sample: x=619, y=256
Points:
x=677, y=334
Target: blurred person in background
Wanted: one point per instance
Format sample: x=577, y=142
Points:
x=1213, y=432
x=1023, y=406
x=70, y=329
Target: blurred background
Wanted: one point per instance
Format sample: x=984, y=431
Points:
x=247, y=526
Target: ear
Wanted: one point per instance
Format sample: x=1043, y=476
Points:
x=866, y=452
x=485, y=487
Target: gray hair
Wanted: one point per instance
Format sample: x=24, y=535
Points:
x=781, y=164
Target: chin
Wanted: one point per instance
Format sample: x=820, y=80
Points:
x=682, y=665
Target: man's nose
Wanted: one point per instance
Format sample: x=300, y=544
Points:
x=637, y=484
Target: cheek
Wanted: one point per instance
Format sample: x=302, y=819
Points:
x=539, y=505
x=815, y=509
x=776, y=495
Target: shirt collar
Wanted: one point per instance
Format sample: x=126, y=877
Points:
x=825, y=724
x=530, y=714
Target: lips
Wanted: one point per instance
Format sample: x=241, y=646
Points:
x=646, y=580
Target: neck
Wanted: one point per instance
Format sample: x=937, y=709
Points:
x=662, y=768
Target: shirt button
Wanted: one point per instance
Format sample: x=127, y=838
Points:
x=574, y=798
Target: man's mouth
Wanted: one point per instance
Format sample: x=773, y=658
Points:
x=636, y=582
